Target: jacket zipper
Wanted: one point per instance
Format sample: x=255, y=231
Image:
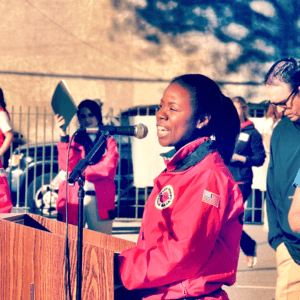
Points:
x=183, y=289
x=142, y=237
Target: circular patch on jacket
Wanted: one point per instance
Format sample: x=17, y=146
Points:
x=165, y=197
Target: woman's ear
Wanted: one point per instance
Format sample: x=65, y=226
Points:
x=202, y=122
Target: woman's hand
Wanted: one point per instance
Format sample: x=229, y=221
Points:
x=237, y=157
x=60, y=121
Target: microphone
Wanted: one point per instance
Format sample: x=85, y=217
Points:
x=83, y=163
x=139, y=131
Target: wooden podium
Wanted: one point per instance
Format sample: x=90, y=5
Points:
x=32, y=263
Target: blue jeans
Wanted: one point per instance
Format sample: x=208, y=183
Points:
x=248, y=245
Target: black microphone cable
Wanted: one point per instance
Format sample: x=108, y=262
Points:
x=68, y=291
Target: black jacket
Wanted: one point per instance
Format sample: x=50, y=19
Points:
x=249, y=144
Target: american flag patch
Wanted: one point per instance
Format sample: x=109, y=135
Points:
x=210, y=198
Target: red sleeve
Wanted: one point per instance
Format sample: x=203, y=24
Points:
x=107, y=166
x=75, y=154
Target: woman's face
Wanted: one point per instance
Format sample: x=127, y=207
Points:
x=176, y=123
x=240, y=110
x=86, y=118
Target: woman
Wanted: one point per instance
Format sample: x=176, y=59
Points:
x=249, y=151
x=99, y=186
x=273, y=117
x=6, y=138
x=188, y=245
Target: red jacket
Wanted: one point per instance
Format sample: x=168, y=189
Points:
x=5, y=197
x=190, y=235
x=101, y=174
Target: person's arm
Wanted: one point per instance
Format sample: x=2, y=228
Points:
x=238, y=157
x=267, y=141
x=257, y=153
x=59, y=122
x=6, y=128
x=9, y=136
x=294, y=213
x=267, y=133
x=258, y=150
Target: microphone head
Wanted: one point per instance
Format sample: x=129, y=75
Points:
x=140, y=131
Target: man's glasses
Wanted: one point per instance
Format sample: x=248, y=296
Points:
x=284, y=102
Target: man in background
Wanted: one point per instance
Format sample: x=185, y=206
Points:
x=283, y=89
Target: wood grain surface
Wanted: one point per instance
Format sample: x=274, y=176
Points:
x=32, y=257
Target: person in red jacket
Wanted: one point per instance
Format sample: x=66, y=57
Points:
x=6, y=138
x=99, y=186
x=188, y=245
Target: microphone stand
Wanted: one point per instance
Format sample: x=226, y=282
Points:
x=76, y=175
x=81, y=194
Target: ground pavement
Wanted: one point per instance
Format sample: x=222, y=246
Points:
x=256, y=283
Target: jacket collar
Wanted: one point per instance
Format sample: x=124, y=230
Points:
x=189, y=155
x=246, y=123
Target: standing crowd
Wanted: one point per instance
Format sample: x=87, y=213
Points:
x=192, y=226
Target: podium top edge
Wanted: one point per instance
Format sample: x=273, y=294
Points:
x=12, y=216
